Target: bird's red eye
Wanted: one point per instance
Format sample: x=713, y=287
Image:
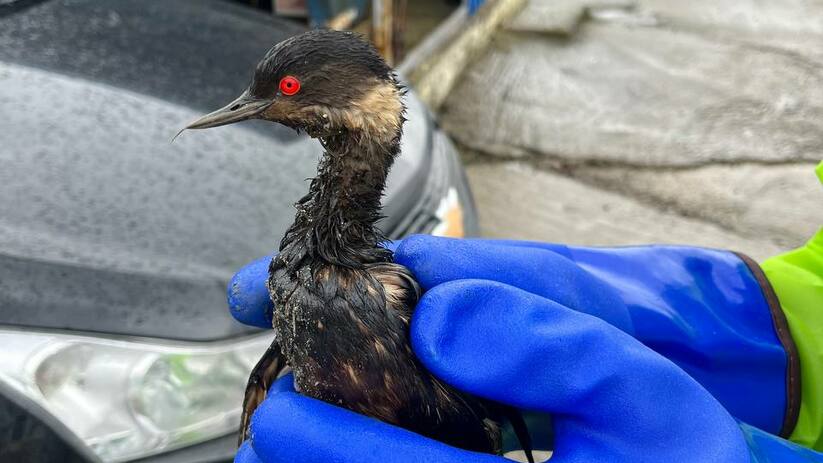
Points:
x=289, y=85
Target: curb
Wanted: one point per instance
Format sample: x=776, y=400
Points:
x=434, y=66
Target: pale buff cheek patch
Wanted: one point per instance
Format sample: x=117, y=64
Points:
x=378, y=114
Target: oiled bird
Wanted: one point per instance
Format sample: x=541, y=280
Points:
x=341, y=305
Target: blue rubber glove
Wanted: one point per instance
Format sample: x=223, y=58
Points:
x=610, y=397
x=703, y=309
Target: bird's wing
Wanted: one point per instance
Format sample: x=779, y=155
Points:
x=266, y=371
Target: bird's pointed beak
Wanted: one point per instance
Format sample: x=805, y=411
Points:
x=243, y=108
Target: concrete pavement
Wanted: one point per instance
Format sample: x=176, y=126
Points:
x=618, y=122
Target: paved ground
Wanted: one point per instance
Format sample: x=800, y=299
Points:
x=648, y=121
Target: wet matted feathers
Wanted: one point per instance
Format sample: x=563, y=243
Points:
x=342, y=307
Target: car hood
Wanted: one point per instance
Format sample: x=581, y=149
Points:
x=94, y=191
x=104, y=225
x=108, y=226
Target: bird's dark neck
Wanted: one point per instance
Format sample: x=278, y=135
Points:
x=335, y=221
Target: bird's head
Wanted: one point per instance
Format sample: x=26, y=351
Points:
x=323, y=82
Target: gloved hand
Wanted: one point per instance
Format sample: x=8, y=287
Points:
x=611, y=398
x=703, y=309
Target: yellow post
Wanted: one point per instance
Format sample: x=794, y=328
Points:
x=388, y=25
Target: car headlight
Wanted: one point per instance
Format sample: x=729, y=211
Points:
x=132, y=398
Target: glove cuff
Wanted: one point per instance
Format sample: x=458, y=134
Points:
x=784, y=335
x=797, y=278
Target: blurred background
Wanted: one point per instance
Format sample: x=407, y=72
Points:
x=611, y=122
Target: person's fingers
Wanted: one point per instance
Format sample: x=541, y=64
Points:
x=529, y=266
x=561, y=249
x=289, y=427
x=507, y=344
x=245, y=454
x=248, y=298
x=608, y=394
x=284, y=383
x=391, y=245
